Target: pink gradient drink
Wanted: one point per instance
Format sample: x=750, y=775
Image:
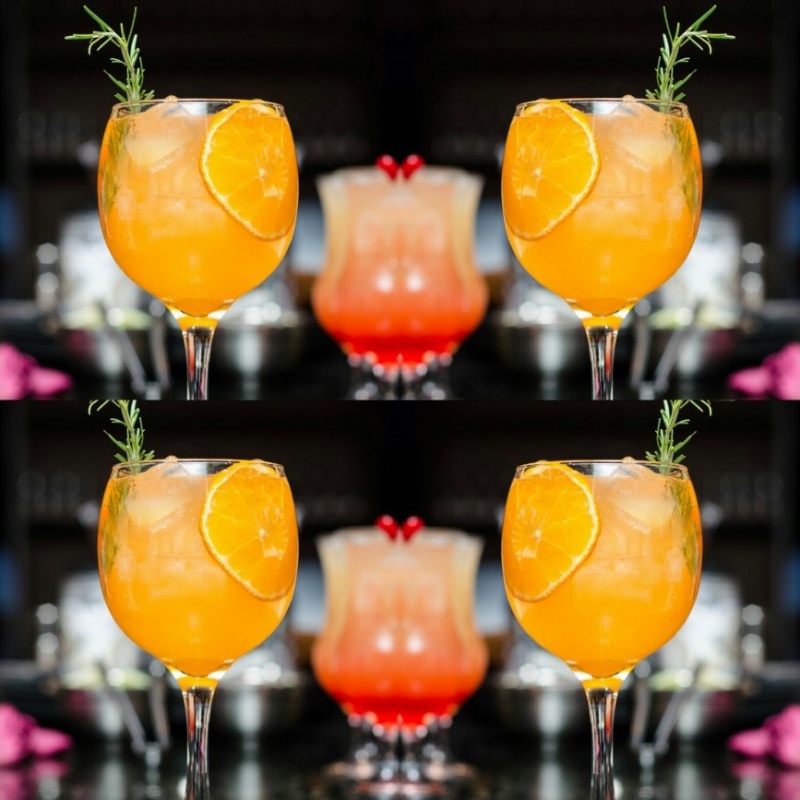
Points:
x=399, y=645
x=399, y=287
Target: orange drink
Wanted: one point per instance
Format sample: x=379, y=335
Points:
x=635, y=587
x=198, y=200
x=165, y=585
x=601, y=200
x=198, y=562
x=601, y=562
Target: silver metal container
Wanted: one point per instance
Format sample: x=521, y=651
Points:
x=548, y=712
x=250, y=711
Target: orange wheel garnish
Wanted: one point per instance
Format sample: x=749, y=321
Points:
x=550, y=527
x=249, y=165
x=551, y=164
x=249, y=526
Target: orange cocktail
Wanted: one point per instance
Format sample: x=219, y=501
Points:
x=198, y=562
x=601, y=200
x=399, y=286
x=601, y=562
x=198, y=200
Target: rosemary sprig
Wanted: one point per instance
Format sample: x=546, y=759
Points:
x=133, y=446
x=131, y=59
x=673, y=41
x=668, y=450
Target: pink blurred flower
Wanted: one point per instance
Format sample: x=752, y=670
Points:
x=21, y=737
x=21, y=376
x=15, y=785
x=784, y=367
x=752, y=744
x=778, y=738
x=784, y=785
x=778, y=375
x=15, y=730
x=784, y=731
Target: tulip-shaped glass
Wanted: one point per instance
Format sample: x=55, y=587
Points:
x=400, y=289
x=399, y=646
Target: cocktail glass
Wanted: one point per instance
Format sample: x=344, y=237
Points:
x=628, y=596
x=629, y=233
x=198, y=201
x=399, y=289
x=399, y=647
x=198, y=562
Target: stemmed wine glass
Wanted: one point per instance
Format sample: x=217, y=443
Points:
x=198, y=563
x=198, y=201
x=601, y=563
x=601, y=200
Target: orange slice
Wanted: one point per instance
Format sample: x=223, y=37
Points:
x=551, y=164
x=249, y=526
x=248, y=164
x=550, y=527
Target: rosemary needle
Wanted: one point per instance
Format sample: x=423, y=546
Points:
x=132, y=448
x=668, y=451
x=130, y=56
x=673, y=41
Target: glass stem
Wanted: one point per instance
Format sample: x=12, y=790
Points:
x=197, y=702
x=602, y=705
x=197, y=342
x=412, y=760
x=390, y=381
x=602, y=343
x=389, y=755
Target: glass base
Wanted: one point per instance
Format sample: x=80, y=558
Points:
x=423, y=381
x=438, y=762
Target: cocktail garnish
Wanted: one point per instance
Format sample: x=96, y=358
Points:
x=668, y=450
x=411, y=165
x=133, y=446
x=247, y=164
x=127, y=42
x=556, y=166
x=551, y=527
x=674, y=40
x=393, y=169
x=388, y=525
x=249, y=527
x=411, y=526
x=388, y=165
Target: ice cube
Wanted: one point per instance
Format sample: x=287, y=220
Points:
x=160, y=494
x=627, y=106
x=169, y=108
x=159, y=133
x=635, y=496
x=637, y=134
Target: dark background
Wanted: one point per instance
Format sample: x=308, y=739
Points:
x=359, y=78
x=451, y=463
x=363, y=77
